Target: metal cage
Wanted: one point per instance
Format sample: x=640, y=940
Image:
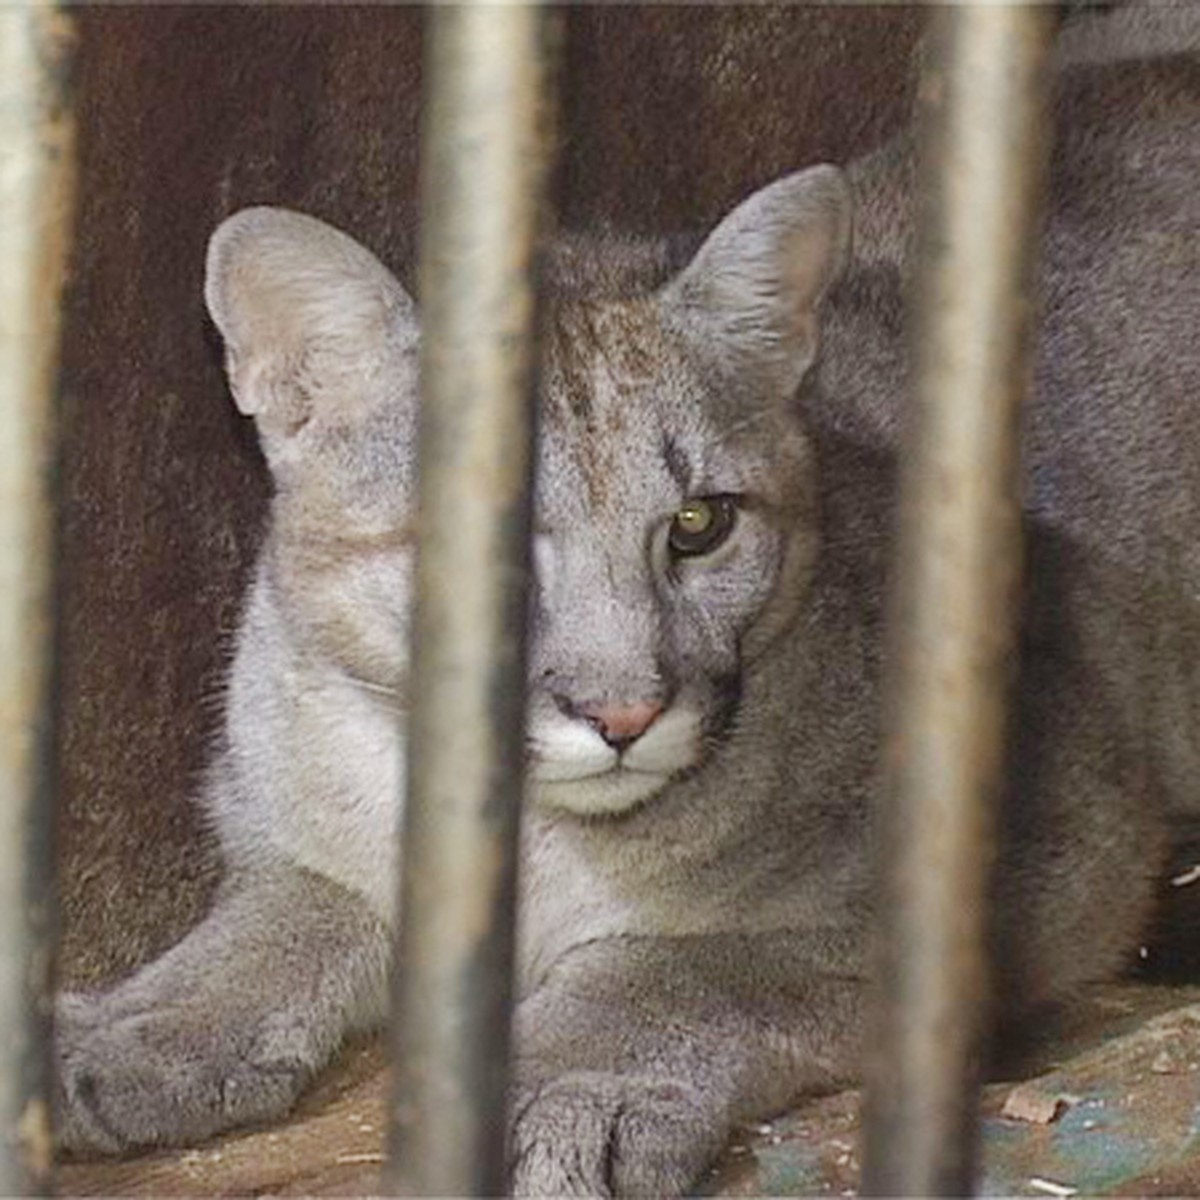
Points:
x=488, y=117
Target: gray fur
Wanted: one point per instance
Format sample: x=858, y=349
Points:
x=694, y=919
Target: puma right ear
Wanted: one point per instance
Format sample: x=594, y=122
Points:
x=752, y=291
x=314, y=325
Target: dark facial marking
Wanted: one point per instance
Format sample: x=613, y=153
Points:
x=677, y=463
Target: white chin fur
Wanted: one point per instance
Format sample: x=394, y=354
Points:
x=671, y=744
x=566, y=750
x=575, y=769
x=613, y=792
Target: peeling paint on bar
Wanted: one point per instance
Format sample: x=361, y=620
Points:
x=36, y=188
x=483, y=172
x=983, y=97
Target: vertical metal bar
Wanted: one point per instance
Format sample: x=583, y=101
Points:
x=36, y=162
x=983, y=97
x=484, y=169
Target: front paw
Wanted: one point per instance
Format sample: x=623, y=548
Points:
x=591, y=1133
x=131, y=1076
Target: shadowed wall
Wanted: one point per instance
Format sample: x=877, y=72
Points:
x=669, y=116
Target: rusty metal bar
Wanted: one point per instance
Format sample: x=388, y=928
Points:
x=484, y=169
x=983, y=99
x=36, y=188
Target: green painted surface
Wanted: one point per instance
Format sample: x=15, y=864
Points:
x=1127, y=1085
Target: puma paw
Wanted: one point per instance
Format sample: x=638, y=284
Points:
x=130, y=1077
x=590, y=1133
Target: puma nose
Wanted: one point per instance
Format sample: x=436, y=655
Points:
x=621, y=724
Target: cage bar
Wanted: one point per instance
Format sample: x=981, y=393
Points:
x=983, y=100
x=36, y=166
x=484, y=166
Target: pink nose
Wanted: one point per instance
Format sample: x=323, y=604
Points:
x=622, y=723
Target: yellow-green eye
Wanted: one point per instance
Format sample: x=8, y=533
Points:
x=701, y=525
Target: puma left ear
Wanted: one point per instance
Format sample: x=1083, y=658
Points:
x=317, y=331
x=751, y=293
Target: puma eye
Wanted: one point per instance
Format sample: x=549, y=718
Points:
x=701, y=525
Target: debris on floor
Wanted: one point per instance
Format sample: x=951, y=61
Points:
x=1116, y=1112
x=1103, y=1102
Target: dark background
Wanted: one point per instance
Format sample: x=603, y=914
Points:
x=669, y=116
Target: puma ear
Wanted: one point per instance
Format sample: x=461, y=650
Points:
x=314, y=325
x=751, y=294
